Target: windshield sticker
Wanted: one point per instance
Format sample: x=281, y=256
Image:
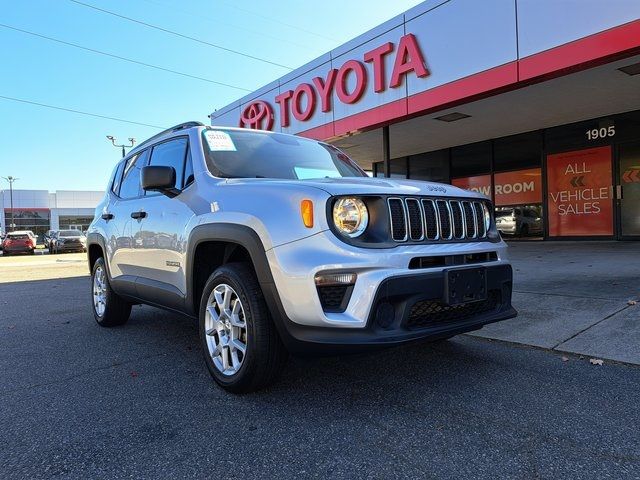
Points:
x=219, y=141
x=304, y=173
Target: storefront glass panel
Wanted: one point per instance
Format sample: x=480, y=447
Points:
x=480, y=184
x=432, y=166
x=629, y=173
x=24, y=219
x=518, y=200
x=399, y=168
x=580, y=193
x=74, y=222
x=471, y=160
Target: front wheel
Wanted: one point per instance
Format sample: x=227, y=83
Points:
x=109, y=309
x=241, y=346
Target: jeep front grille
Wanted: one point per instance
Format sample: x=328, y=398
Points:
x=417, y=219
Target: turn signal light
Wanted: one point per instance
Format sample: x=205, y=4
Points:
x=335, y=279
x=306, y=210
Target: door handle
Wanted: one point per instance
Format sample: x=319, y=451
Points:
x=138, y=215
x=107, y=216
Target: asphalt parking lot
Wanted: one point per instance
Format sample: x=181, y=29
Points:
x=80, y=401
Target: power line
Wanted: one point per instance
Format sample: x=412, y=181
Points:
x=181, y=35
x=217, y=22
x=275, y=20
x=106, y=54
x=79, y=112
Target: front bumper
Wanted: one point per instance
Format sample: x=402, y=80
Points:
x=70, y=247
x=391, y=303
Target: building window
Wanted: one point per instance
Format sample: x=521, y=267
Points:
x=378, y=169
x=517, y=152
x=471, y=160
x=432, y=166
x=399, y=168
x=73, y=222
x=36, y=220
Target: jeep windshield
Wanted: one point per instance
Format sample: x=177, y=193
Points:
x=251, y=154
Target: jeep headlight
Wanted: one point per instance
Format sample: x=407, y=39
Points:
x=350, y=216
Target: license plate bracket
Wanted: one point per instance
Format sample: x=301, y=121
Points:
x=465, y=285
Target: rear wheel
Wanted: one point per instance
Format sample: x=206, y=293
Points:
x=241, y=346
x=109, y=309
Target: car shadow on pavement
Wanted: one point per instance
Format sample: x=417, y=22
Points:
x=74, y=340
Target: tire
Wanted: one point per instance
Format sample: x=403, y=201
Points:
x=115, y=311
x=264, y=354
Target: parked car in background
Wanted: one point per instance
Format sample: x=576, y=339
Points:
x=68, y=241
x=47, y=238
x=522, y=221
x=18, y=242
x=33, y=236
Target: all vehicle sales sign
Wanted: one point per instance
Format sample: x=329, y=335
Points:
x=580, y=193
x=303, y=101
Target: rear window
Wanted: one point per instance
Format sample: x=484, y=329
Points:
x=18, y=236
x=504, y=213
x=70, y=233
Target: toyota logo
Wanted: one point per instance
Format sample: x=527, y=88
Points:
x=257, y=115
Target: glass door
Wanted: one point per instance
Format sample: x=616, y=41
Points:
x=629, y=189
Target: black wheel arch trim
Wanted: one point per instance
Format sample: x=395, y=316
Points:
x=97, y=239
x=242, y=235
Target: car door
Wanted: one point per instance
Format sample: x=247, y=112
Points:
x=122, y=227
x=162, y=234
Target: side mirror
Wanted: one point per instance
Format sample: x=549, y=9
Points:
x=159, y=179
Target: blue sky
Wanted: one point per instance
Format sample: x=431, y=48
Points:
x=54, y=150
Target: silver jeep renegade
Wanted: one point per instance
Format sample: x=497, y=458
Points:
x=278, y=244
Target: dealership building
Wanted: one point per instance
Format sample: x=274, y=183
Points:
x=534, y=103
x=40, y=210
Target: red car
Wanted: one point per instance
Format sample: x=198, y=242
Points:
x=18, y=242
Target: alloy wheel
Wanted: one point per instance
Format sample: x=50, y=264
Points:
x=226, y=329
x=99, y=291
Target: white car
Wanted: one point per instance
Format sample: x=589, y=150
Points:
x=522, y=221
x=278, y=244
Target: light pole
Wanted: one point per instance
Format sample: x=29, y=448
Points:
x=11, y=179
x=113, y=141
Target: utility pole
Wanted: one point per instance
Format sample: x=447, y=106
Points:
x=11, y=179
x=132, y=141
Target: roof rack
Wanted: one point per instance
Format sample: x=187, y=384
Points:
x=176, y=128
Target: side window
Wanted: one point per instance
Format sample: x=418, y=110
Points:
x=130, y=187
x=171, y=154
x=188, y=170
x=115, y=188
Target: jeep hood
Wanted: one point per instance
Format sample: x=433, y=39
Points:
x=368, y=186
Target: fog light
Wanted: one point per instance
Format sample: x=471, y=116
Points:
x=328, y=279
